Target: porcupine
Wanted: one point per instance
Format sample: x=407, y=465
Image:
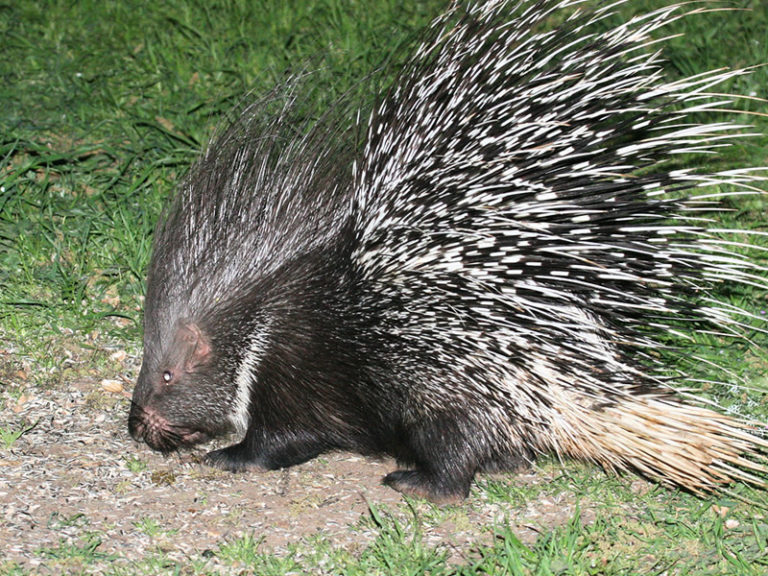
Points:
x=484, y=279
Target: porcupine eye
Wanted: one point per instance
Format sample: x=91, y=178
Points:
x=167, y=376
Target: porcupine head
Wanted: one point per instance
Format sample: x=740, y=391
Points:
x=181, y=397
x=174, y=386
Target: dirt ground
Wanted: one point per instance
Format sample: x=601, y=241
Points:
x=75, y=476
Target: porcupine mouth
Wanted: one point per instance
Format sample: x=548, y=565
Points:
x=159, y=434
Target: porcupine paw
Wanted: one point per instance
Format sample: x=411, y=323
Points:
x=425, y=485
x=233, y=459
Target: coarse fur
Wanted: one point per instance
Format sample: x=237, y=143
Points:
x=484, y=280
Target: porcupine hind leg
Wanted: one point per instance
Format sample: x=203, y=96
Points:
x=444, y=461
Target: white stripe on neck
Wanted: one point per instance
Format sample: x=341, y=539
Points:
x=245, y=379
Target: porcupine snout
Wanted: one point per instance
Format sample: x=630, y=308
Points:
x=146, y=424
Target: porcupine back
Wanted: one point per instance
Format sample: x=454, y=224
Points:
x=520, y=234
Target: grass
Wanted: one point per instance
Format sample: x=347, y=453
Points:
x=100, y=120
x=9, y=436
x=106, y=104
x=660, y=533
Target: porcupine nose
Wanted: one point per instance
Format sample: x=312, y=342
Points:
x=147, y=425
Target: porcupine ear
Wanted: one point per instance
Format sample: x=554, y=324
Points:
x=191, y=347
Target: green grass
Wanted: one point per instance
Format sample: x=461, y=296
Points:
x=8, y=436
x=659, y=533
x=106, y=104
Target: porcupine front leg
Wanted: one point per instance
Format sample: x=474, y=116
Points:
x=268, y=446
x=266, y=451
x=245, y=456
x=444, y=461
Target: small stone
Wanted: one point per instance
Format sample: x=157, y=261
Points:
x=112, y=386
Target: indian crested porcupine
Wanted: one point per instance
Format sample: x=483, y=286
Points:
x=487, y=277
